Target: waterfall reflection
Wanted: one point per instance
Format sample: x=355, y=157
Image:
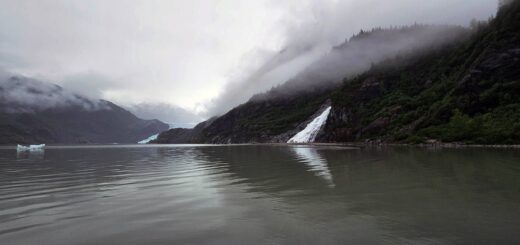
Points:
x=317, y=164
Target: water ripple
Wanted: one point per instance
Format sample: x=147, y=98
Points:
x=258, y=194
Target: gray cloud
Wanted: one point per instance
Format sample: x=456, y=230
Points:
x=325, y=25
x=165, y=112
x=19, y=94
x=302, y=68
x=195, y=54
x=89, y=84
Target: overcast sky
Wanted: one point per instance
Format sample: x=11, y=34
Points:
x=188, y=52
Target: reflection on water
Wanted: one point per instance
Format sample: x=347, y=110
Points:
x=259, y=195
x=311, y=157
x=34, y=154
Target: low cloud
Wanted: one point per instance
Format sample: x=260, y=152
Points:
x=164, y=112
x=187, y=52
x=316, y=29
x=89, y=84
x=19, y=94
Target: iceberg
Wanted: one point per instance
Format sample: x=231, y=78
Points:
x=308, y=135
x=30, y=147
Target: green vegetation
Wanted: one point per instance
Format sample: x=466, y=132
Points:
x=259, y=120
x=500, y=126
x=466, y=92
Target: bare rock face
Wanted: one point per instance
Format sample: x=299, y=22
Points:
x=333, y=130
x=377, y=125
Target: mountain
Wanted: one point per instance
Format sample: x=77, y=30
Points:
x=469, y=93
x=461, y=88
x=32, y=111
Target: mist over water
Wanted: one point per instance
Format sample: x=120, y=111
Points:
x=259, y=195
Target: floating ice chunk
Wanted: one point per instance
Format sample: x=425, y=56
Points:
x=30, y=147
x=308, y=135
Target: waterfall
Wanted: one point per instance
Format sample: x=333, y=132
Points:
x=308, y=135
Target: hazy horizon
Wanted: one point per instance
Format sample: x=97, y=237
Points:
x=195, y=54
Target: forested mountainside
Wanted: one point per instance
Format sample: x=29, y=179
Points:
x=464, y=90
x=33, y=111
x=470, y=93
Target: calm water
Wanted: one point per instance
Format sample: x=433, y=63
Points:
x=259, y=195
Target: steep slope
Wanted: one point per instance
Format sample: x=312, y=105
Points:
x=32, y=111
x=460, y=88
x=271, y=120
x=468, y=94
x=283, y=111
x=310, y=132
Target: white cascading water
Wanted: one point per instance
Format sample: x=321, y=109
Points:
x=308, y=135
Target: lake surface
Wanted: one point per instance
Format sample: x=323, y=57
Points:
x=259, y=195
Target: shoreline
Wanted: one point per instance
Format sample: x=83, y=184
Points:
x=338, y=144
x=433, y=145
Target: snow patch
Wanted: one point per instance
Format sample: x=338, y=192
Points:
x=308, y=135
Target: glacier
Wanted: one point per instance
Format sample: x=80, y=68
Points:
x=147, y=140
x=308, y=135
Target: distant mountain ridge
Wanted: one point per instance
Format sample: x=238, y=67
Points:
x=32, y=111
x=463, y=90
